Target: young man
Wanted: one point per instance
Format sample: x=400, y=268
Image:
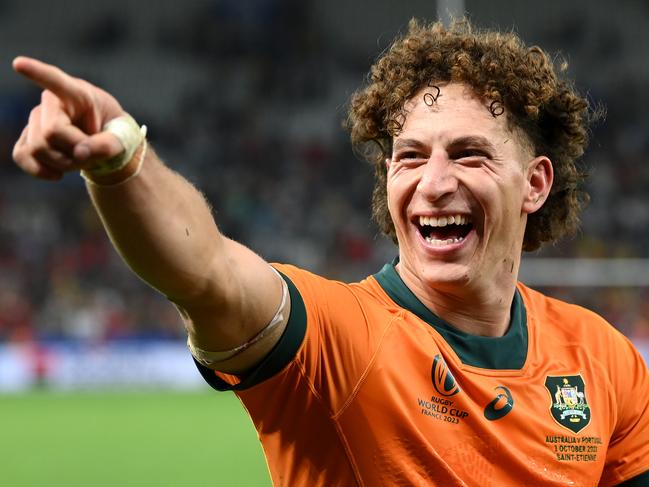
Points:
x=441, y=369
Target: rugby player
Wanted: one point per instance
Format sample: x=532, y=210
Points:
x=440, y=369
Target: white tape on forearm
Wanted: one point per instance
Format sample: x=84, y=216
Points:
x=209, y=359
x=130, y=136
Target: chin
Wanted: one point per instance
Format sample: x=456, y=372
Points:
x=435, y=274
x=445, y=275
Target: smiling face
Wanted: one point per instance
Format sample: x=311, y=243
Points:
x=460, y=185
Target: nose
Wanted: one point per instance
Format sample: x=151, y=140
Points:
x=438, y=178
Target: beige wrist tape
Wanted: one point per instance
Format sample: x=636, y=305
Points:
x=88, y=176
x=209, y=359
x=130, y=135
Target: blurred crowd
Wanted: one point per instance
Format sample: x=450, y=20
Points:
x=260, y=134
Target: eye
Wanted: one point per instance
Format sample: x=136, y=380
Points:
x=470, y=153
x=409, y=156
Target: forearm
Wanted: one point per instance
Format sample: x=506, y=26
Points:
x=159, y=223
x=163, y=228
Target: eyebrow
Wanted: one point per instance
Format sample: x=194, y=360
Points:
x=473, y=141
x=466, y=141
x=407, y=143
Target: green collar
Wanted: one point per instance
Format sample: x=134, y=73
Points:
x=506, y=352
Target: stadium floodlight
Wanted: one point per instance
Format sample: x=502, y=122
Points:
x=449, y=9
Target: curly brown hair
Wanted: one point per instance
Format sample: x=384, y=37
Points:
x=503, y=72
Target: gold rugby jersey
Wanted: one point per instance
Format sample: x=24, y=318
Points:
x=368, y=387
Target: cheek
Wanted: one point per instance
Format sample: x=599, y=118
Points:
x=399, y=191
x=396, y=207
x=503, y=200
x=490, y=189
x=480, y=187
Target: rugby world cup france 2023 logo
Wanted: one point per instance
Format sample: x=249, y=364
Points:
x=443, y=381
x=568, y=404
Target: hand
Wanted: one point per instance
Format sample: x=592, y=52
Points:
x=64, y=133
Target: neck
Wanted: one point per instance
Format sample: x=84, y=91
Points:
x=478, y=309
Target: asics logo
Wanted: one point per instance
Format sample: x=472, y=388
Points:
x=500, y=406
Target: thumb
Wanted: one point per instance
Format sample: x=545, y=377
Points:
x=97, y=148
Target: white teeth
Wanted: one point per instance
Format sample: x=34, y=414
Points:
x=439, y=243
x=443, y=220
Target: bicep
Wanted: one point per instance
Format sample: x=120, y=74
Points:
x=240, y=301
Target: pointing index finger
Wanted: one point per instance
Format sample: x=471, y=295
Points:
x=49, y=77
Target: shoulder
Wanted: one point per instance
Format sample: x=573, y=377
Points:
x=541, y=306
x=571, y=324
x=318, y=290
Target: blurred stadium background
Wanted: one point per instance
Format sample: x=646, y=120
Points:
x=246, y=98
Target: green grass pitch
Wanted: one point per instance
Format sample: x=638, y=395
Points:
x=120, y=439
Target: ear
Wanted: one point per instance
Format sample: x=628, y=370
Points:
x=539, y=182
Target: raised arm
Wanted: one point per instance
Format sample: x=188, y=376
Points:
x=158, y=222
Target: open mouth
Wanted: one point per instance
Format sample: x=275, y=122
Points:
x=444, y=230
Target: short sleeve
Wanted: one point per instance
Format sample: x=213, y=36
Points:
x=332, y=334
x=628, y=452
x=278, y=358
x=344, y=326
